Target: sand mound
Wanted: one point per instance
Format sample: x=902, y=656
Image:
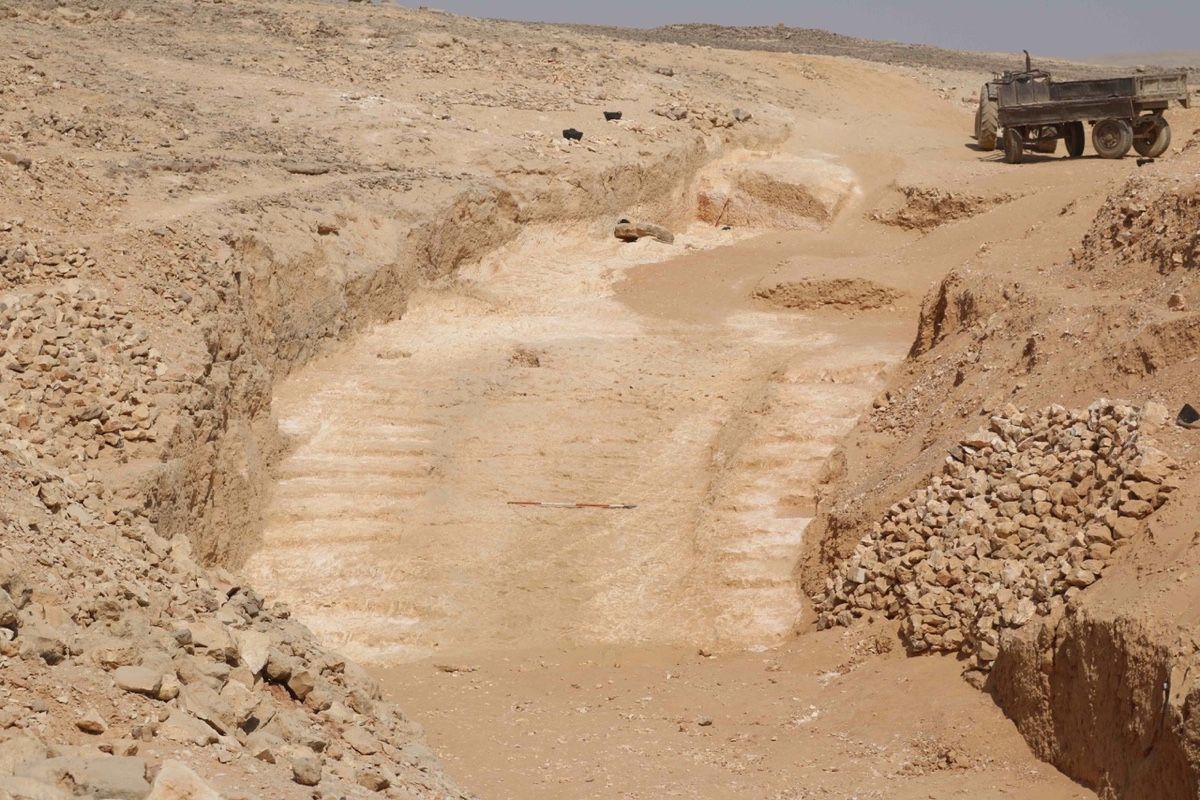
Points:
x=925, y=208
x=841, y=293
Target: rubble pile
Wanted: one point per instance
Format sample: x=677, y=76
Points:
x=1026, y=514
x=25, y=263
x=78, y=377
x=123, y=643
x=927, y=207
x=702, y=115
x=1145, y=223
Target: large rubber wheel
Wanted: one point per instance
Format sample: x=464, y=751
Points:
x=987, y=121
x=1074, y=136
x=1156, y=141
x=1112, y=138
x=1014, y=147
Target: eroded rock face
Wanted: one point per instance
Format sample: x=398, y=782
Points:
x=1108, y=694
x=781, y=192
x=1026, y=514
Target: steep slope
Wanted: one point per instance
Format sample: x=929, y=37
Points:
x=1102, y=686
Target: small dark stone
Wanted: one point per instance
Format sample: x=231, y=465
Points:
x=574, y=135
x=609, y=116
x=1188, y=416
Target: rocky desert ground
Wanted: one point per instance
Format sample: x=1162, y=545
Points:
x=345, y=451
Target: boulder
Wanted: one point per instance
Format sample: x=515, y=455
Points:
x=9, y=613
x=205, y=704
x=295, y=727
x=91, y=722
x=138, y=680
x=632, y=231
x=301, y=683
x=252, y=650
x=13, y=787
x=214, y=639
x=263, y=746
x=372, y=780
x=115, y=777
x=176, y=781
x=43, y=643
x=306, y=769
x=240, y=701
x=363, y=742
x=278, y=667
x=184, y=728
x=19, y=750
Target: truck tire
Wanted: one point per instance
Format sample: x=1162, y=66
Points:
x=1112, y=138
x=988, y=121
x=1014, y=146
x=1156, y=142
x=1073, y=134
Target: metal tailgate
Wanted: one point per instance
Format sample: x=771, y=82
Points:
x=1162, y=86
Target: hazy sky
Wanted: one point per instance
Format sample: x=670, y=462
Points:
x=1051, y=27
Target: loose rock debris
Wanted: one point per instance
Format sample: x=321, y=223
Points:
x=1026, y=514
x=840, y=293
x=165, y=651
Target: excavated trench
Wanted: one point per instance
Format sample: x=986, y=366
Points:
x=699, y=386
x=567, y=367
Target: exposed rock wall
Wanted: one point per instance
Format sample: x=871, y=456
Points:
x=1107, y=698
x=283, y=303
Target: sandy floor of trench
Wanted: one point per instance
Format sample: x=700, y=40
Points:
x=563, y=653
x=535, y=379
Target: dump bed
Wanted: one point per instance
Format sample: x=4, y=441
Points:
x=1045, y=101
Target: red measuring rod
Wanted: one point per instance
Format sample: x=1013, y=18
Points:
x=544, y=504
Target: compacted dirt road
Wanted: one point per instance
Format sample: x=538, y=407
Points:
x=705, y=383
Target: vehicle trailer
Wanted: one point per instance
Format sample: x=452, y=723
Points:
x=1035, y=111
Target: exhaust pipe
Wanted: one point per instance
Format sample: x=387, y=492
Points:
x=1028, y=63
